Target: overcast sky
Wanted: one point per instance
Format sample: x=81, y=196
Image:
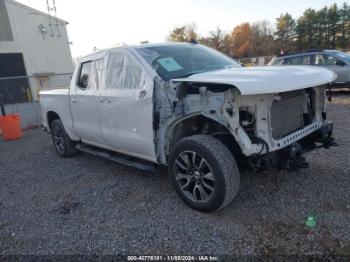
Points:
x=105, y=23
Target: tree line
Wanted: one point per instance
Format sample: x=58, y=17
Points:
x=327, y=28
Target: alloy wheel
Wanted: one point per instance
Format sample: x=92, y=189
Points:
x=58, y=139
x=194, y=176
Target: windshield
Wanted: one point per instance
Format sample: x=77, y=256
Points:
x=177, y=61
x=342, y=56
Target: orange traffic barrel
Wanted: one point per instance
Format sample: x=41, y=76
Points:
x=11, y=127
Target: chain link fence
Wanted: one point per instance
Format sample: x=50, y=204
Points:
x=15, y=90
x=23, y=89
x=21, y=95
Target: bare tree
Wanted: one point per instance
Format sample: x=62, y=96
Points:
x=217, y=37
x=262, y=39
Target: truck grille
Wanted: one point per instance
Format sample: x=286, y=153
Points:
x=287, y=114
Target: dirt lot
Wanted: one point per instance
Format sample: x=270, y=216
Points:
x=87, y=205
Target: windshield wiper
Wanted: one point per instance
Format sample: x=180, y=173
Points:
x=194, y=73
x=200, y=71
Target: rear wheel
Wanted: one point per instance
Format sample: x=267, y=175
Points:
x=204, y=173
x=64, y=146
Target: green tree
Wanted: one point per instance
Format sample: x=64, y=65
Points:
x=334, y=19
x=285, y=25
x=323, y=29
x=326, y=28
x=178, y=34
x=184, y=33
x=344, y=15
x=311, y=29
x=300, y=30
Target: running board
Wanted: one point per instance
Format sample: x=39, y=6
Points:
x=118, y=158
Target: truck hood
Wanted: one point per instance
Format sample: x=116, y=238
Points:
x=265, y=79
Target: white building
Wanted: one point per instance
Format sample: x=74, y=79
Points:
x=35, y=44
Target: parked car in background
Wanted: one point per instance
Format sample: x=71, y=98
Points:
x=334, y=60
x=192, y=109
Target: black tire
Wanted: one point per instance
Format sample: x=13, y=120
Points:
x=64, y=146
x=220, y=188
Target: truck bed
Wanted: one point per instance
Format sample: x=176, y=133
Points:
x=57, y=101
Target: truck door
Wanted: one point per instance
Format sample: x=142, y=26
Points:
x=84, y=100
x=126, y=106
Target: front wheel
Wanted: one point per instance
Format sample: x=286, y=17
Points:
x=204, y=173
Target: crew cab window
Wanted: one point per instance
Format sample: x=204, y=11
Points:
x=85, y=75
x=123, y=72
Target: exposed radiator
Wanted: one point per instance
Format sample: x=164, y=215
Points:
x=287, y=114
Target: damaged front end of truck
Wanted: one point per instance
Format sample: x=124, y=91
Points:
x=265, y=124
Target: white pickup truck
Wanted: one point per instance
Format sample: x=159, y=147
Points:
x=192, y=109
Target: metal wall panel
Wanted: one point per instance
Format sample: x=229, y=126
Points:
x=45, y=53
x=5, y=27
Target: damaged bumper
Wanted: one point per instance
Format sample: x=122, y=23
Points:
x=291, y=157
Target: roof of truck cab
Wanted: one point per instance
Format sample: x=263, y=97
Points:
x=101, y=53
x=161, y=44
x=97, y=55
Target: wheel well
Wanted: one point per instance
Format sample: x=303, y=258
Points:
x=51, y=116
x=200, y=124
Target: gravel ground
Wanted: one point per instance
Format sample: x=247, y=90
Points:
x=88, y=205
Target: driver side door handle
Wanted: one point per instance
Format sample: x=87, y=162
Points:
x=104, y=99
x=142, y=94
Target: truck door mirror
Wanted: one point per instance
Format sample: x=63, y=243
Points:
x=84, y=75
x=84, y=81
